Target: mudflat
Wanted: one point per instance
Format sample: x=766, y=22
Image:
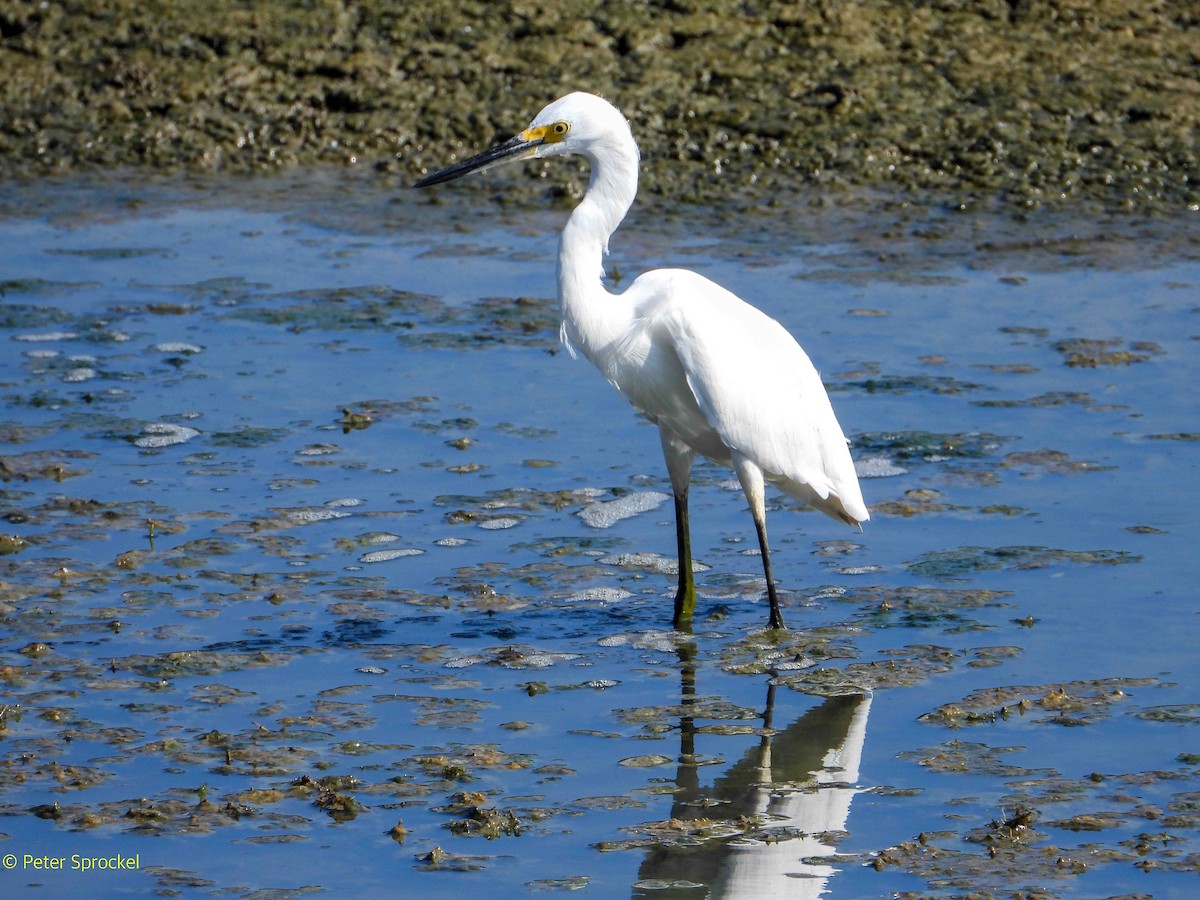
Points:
x=1027, y=103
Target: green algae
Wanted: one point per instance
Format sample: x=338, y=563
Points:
x=963, y=561
x=1039, y=103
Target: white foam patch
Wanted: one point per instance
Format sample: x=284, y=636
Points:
x=536, y=660
x=607, y=514
x=860, y=570
x=794, y=664
x=177, y=347
x=877, y=467
x=165, y=434
x=377, y=556
x=378, y=537
x=601, y=684
x=304, y=516
x=500, y=522
x=462, y=662
x=603, y=594
x=665, y=641
x=652, y=561
x=47, y=336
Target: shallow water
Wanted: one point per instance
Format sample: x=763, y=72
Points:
x=309, y=528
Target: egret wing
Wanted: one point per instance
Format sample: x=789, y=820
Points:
x=759, y=390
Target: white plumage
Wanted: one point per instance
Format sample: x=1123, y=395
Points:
x=719, y=377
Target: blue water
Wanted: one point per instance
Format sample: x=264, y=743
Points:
x=1041, y=539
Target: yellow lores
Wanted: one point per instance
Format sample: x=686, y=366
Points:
x=548, y=134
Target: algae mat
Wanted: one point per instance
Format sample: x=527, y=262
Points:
x=1034, y=102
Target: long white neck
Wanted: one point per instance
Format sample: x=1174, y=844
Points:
x=592, y=317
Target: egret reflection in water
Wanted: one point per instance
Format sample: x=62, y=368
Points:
x=795, y=788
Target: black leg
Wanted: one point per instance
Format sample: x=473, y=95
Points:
x=760, y=525
x=685, y=598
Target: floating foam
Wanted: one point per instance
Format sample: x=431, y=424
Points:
x=500, y=522
x=653, y=561
x=462, y=662
x=177, y=347
x=792, y=665
x=47, y=336
x=603, y=594
x=877, y=467
x=643, y=640
x=601, y=684
x=376, y=556
x=304, y=516
x=535, y=660
x=165, y=434
x=378, y=537
x=607, y=514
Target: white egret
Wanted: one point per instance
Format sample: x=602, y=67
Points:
x=719, y=377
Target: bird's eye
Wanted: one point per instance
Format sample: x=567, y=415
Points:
x=552, y=134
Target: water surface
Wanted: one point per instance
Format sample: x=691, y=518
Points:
x=325, y=569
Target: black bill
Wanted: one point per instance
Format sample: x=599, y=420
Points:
x=519, y=147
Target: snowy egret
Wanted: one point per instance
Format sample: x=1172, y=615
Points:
x=718, y=376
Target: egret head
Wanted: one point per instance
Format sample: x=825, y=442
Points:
x=576, y=123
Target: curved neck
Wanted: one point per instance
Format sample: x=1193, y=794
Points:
x=587, y=310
